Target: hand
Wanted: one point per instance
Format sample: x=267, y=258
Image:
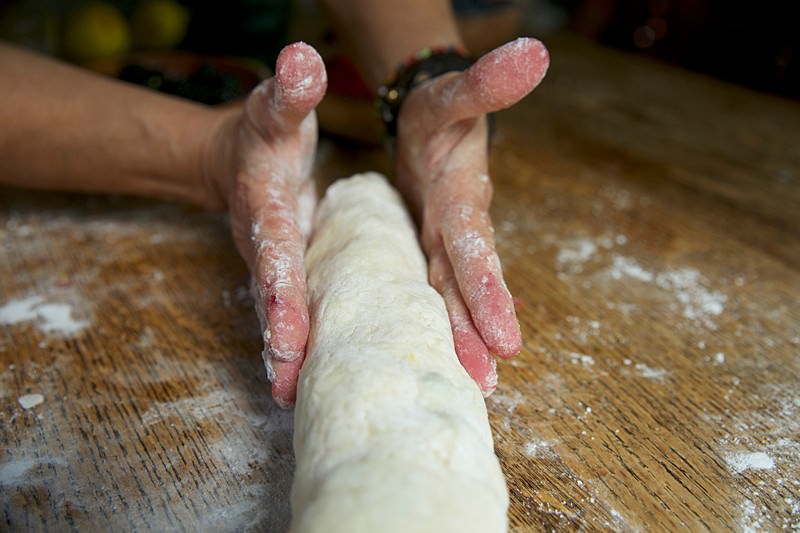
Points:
x=441, y=156
x=260, y=162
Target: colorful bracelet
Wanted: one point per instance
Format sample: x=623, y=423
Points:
x=426, y=64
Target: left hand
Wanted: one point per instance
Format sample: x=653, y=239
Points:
x=442, y=168
x=260, y=167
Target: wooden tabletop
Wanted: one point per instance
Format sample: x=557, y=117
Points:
x=648, y=221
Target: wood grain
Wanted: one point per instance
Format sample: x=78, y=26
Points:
x=648, y=223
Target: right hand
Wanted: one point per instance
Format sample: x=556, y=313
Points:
x=443, y=169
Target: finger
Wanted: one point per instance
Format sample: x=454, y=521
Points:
x=469, y=240
x=279, y=104
x=284, y=382
x=471, y=350
x=279, y=275
x=496, y=81
x=307, y=202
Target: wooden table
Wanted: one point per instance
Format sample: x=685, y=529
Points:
x=648, y=223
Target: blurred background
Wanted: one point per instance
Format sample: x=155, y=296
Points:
x=213, y=51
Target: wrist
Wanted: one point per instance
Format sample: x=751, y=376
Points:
x=418, y=68
x=216, y=159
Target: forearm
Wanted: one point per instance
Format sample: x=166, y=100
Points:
x=383, y=33
x=64, y=128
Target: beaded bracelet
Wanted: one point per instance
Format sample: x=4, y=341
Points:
x=421, y=66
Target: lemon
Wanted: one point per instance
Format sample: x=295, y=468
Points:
x=95, y=30
x=159, y=24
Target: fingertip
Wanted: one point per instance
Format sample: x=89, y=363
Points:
x=495, y=318
x=470, y=348
x=532, y=56
x=284, y=383
x=489, y=384
x=508, y=73
x=502, y=335
x=287, y=316
x=527, y=57
x=509, y=343
x=475, y=358
x=301, y=76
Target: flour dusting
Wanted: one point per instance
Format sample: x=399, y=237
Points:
x=649, y=372
x=506, y=403
x=699, y=303
x=48, y=317
x=198, y=408
x=581, y=358
x=538, y=448
x=688, y=286
x=18, y=472
x=574, y=253
x=753, y=518
x=740, y=462
x=626, y=267
x=29, y=401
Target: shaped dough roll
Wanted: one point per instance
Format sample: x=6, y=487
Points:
x=391, y=434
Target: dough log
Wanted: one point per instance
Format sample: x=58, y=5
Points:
x=391, y=434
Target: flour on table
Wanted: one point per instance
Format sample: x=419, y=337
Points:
x=574, y=253
x=29, y=401
x=749, y=461
x=538, y=448
x=650, y=372
x=48, y=317
x=581, y=358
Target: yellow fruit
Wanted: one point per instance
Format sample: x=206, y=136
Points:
x=159, y=23
x=95, y=30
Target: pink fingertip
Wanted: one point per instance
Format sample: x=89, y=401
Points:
x=508, y=73
x=288, y=326
x=301, y=76
x=476, y=360
x=490, y=383
x=496, y=319
x=284, y=384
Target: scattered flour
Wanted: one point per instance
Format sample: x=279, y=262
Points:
x=649, y=372
x=699, y=303
x=583, y=359
x=49, y=317
x=687, y=285
x=29, y=401
x=753, y=518
x=740, y=462
x=239, y=452
x=574, y=253
x=197, y=407
x=505, y=403
x=626, y=267
x=538, y=448
x=18, y=472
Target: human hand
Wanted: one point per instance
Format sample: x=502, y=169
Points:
x=442, y=168
x=260, y=163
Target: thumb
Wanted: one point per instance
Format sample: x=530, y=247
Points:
x=496, y=81
x=279, y=104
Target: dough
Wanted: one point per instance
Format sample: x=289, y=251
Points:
x=391, y=434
